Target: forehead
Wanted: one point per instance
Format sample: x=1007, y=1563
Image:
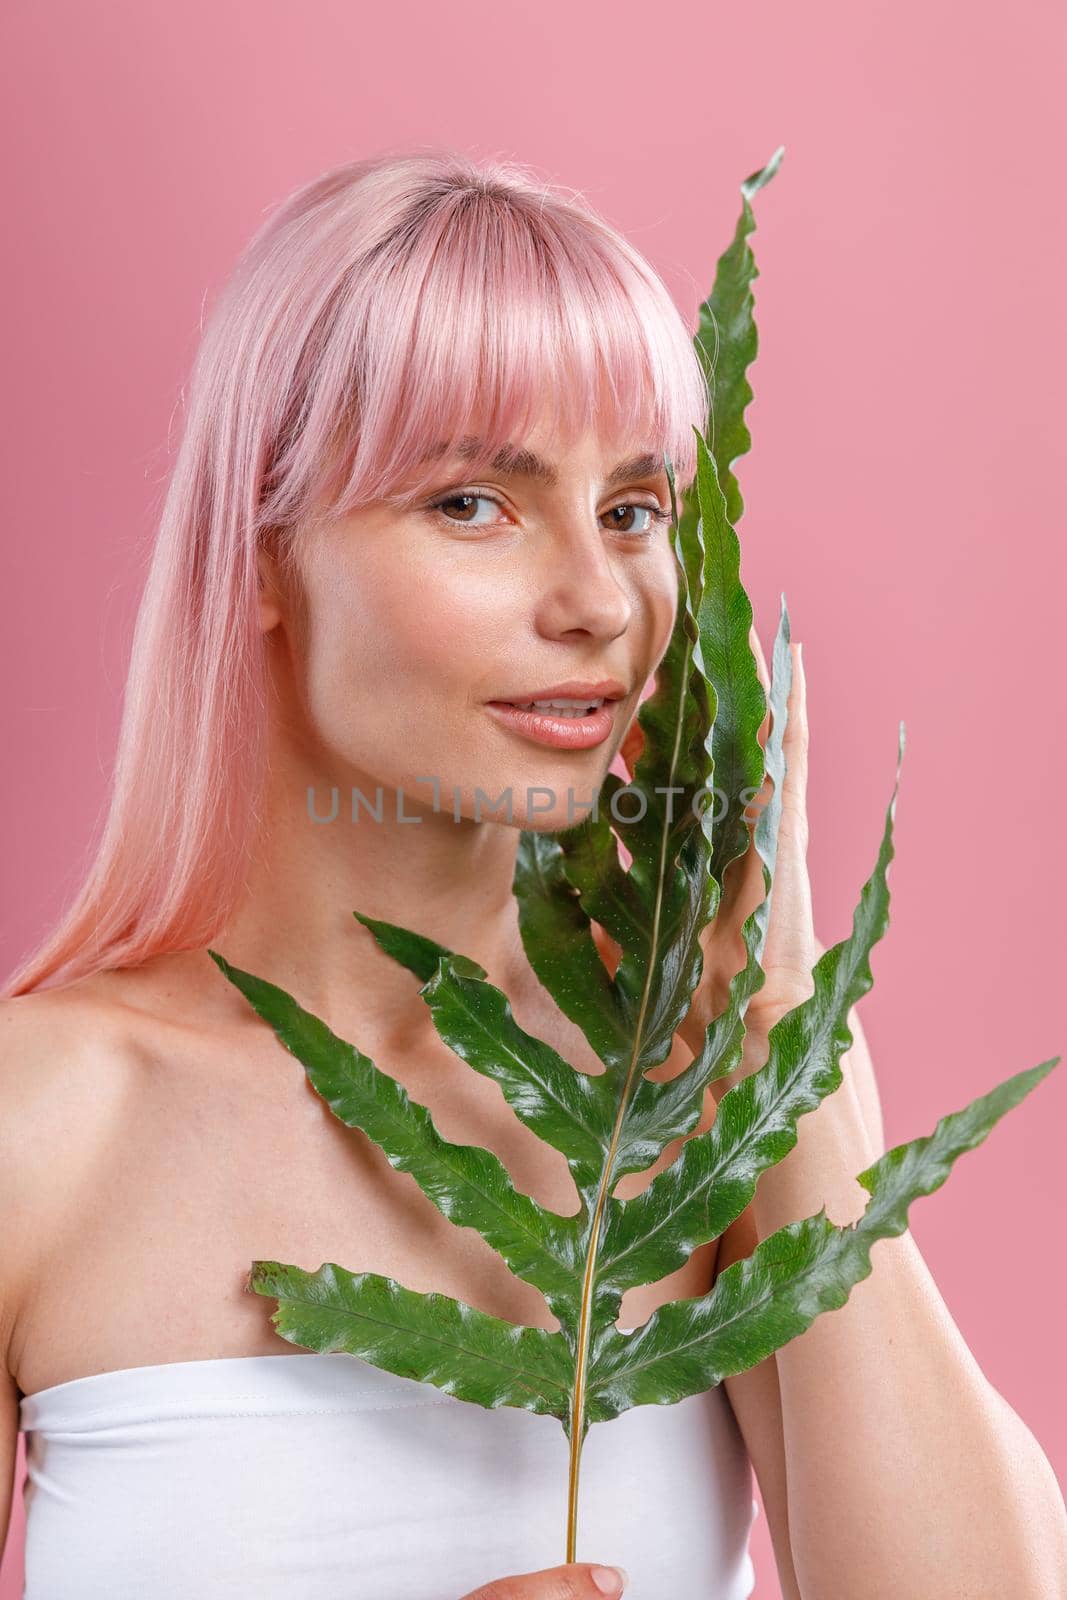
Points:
x=519, y=461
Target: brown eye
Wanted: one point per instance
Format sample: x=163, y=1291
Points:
x=465, y=500
x=654, y=514
x=457, y=499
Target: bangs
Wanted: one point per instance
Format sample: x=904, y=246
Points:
x=493, y=312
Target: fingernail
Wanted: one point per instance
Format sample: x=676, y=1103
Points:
x=800, y=654
x=610, y=1580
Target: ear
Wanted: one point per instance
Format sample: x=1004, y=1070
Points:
x=270, y=591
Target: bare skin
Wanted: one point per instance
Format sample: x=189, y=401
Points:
x=180, y=1151
x=163, y=1138
x=155, y=1138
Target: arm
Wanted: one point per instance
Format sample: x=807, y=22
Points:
x=39, y=1033
x=9, y=1438
x=906, y=1472
x=755, y=1396
x=10, y=1188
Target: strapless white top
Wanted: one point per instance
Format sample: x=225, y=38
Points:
x=322, y=1477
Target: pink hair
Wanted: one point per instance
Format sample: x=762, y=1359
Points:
x=380, y=302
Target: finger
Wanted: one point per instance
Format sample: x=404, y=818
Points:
x=633, y=742
x=789, y=951
x=764, y=678
x=578, y=1579
x=743, y=885
x=795, y=740
x=747, y=880
x=761, y=663
x=744, y=888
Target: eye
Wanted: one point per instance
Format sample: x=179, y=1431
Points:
x=454, y=499
x=655, y=514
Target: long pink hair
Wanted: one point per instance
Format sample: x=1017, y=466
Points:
x=381, y=304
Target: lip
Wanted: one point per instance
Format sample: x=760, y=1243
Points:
x=560, y=733
x=573, y=689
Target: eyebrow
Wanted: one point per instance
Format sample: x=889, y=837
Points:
x=521, y=463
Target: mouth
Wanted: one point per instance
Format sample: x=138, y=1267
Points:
x=560, y=706
x=564, y=722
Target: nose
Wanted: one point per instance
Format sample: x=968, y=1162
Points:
x=579, y=591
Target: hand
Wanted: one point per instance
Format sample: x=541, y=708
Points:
x=791, y=949
x=845, y=1133
x=575, y=1581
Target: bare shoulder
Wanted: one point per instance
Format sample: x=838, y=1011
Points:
x=64, y=1053
x=58, y=1049
x=65, y=1061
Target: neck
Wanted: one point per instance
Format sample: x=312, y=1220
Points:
x=448, y=880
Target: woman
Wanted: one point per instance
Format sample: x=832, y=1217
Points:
x=422, y=481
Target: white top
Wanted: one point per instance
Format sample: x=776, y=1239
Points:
x=322, y=1477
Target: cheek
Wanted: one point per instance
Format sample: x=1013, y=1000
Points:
x=446, y=624
x=660, y=597
x=404, y=636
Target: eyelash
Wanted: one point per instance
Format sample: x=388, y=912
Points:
x=658, y=515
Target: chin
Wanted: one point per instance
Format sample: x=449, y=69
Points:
x=542, y=807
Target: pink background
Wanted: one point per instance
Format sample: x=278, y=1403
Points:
x=905, y=490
